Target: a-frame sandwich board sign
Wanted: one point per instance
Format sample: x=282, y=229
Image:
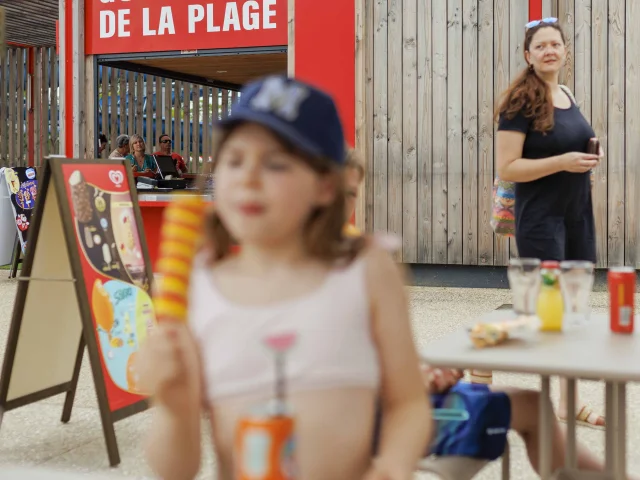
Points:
x=85, y=281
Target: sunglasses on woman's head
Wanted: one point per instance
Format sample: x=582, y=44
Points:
x=535, y=23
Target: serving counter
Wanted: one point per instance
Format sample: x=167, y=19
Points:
x=152, y=207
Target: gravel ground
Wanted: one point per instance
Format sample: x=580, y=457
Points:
x=34, y=436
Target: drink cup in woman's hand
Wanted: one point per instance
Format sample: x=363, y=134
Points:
x=594, y=146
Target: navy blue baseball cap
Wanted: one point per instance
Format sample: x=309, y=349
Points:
x=297, y=112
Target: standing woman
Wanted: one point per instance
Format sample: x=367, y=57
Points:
x=541, y=143
x=141, y=162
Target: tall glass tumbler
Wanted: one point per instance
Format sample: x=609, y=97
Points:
x=524, y=281
x=576, y=284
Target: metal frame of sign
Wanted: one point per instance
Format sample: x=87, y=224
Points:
x=53, y=177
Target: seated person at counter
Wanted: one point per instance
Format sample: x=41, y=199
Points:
x=122, y=148
x=164, y=142
x=103, y=143
x=141, y=162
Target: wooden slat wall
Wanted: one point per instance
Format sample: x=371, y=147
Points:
x=437, y=70
x=183, y=110
x=14, y=117
x=501, y=61
x=191, y=110
x=604, y=71
x=486, y=12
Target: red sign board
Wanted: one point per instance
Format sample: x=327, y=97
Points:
x=135, y=26
x=113, y=266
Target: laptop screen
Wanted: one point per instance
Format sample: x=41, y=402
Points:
x=166, y=165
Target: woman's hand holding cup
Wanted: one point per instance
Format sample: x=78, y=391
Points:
x=578, y=162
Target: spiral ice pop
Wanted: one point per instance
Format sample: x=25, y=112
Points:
x=351, y=231
x=179, y=242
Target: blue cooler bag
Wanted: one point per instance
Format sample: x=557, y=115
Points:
x=481, y=433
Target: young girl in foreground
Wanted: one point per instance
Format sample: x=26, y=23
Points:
x=279, y=194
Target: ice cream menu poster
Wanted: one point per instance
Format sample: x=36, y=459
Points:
x=113, y=266
x=23, y=190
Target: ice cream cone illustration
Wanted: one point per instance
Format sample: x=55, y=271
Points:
x=80, y=197
x=132, y=374
x=12, y=180
x=102, y=307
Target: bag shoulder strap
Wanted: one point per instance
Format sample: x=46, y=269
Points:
x=567, y=90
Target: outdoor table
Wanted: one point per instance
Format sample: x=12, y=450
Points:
x=591, y=353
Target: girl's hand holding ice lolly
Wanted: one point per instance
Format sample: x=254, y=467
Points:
x=166, y=363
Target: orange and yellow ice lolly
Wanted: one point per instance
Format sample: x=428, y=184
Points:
x=179, y=241
x=350, y=230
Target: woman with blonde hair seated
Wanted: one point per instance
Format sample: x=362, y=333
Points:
x=141, y=162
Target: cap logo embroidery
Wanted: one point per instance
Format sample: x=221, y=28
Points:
x=279, y=97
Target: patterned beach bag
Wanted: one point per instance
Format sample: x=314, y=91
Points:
x=503, y=219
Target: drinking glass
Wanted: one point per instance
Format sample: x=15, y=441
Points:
x=524, y=281
x=576, y=283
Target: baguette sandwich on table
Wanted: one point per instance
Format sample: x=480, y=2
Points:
x=494, y=333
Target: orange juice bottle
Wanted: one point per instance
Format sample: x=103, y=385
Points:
x=264, y=446
x=550, y=308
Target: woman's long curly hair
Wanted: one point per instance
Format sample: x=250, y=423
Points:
x=528, y=93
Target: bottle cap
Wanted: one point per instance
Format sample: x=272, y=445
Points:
x=550, y=264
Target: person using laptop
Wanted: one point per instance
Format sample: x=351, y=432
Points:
x=165, y=142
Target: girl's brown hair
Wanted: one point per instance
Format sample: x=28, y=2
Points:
x=354, y=161
x=528, y=93
x=323, y=233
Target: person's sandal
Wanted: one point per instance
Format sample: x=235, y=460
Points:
x=586, y=417
x=481, y=377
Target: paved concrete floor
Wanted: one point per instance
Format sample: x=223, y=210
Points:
x=33, y=435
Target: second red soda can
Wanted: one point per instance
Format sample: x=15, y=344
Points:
x=622, y=288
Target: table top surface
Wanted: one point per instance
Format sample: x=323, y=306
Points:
x=593, y=352
x=168, y=197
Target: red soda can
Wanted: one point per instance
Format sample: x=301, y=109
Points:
x=622, y=288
